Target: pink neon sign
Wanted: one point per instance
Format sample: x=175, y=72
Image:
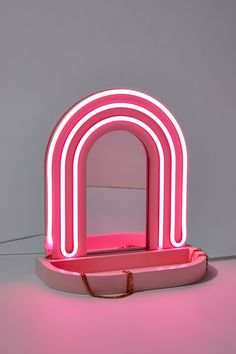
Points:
x=67, y=151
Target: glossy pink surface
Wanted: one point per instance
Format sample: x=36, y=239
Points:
x=116, y=242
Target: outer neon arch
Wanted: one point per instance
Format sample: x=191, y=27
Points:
x=71, y=124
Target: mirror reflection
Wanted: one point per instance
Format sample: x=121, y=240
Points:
x=116, y=192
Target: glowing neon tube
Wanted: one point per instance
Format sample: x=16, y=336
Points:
x=76, y=181
x=62, y=124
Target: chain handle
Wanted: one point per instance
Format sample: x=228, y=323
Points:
x=129, y=287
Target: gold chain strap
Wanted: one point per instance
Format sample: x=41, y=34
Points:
x=129, y=287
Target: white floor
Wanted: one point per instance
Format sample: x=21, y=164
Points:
x=195, y=319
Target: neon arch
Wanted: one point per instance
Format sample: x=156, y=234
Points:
x=66, y=155
x=93, y=133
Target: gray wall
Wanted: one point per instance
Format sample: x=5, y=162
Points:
x=117, y=159
x=183, y=52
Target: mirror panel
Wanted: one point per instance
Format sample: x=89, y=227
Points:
x=116, y=190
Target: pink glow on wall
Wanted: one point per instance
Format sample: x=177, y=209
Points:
x=66, y=157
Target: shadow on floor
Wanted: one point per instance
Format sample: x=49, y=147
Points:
x=210, y=274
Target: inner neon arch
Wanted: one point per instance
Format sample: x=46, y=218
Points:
x=66, y=157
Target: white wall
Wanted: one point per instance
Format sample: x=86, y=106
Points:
x=183, y=52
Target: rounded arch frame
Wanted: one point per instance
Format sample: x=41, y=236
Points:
x=70, y=134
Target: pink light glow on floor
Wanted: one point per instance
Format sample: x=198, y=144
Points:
x=194, y=319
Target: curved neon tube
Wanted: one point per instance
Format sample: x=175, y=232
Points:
x=67, y=118
x=63, y=167
x=75, y=178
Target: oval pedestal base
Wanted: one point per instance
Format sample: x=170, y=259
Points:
x=155, y=269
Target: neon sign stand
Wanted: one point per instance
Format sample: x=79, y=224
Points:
x=80, y=264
